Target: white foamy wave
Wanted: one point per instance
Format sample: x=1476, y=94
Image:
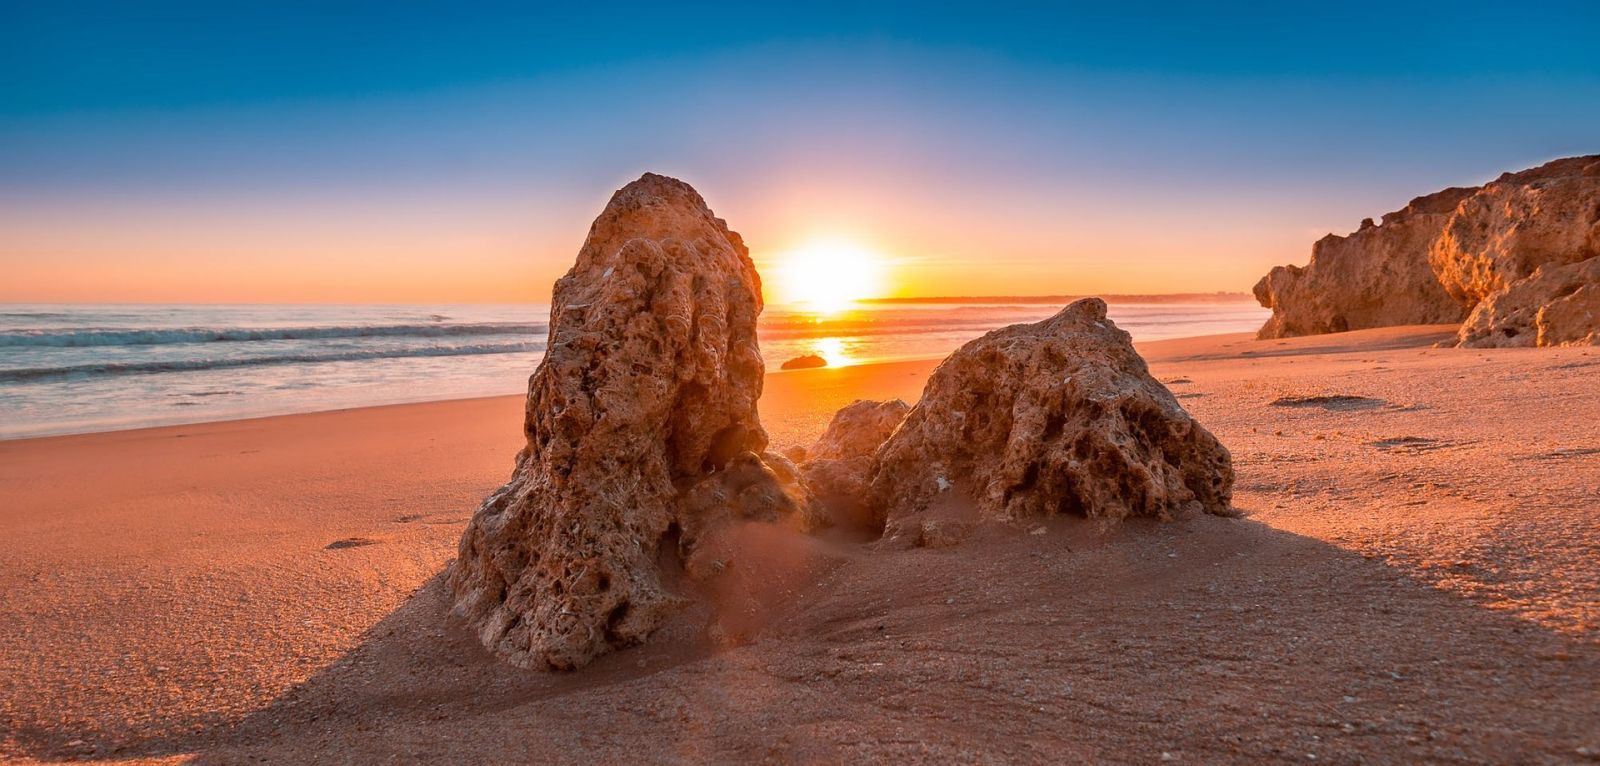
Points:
x=37, y=374
x=81, y=337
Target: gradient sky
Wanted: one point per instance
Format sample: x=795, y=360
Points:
x=422, y=152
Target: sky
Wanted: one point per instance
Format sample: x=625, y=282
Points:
x=456, y=153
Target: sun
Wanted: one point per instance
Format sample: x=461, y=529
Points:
x=828, y=275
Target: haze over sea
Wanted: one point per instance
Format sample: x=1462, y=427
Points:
x=83, y=368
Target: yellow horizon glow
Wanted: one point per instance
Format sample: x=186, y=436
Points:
x=828, y=275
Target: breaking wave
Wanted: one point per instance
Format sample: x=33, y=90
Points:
x=79, y=337
x=36, y=374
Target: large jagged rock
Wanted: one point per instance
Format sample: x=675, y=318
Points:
x=1517, y=251
x=1549, y=215
x=1559, y=305
x=1377, y=276
x=642, y=438
x=1059, y=416
x=1478, y=245
x=837, y=466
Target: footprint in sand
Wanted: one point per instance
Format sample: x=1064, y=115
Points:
x=1336, y=402
x=351, y=542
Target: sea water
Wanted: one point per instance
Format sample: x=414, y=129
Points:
x=81, y=368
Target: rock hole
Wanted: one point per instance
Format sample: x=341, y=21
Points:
x=669, y=552
x=614, y=621
x=1070, y=505
x=1053, y=425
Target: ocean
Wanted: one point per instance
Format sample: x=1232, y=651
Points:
x=76, y=369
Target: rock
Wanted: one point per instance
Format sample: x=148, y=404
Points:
x=805, y=362
x=796, y=454
x=835, y=473
x=1549, y=215
x=1524, y=248
x=642, y=438
x=1559, y=305
x=1377, y=276
x=1476, y=245
x=858, y=429
x=1059, y=416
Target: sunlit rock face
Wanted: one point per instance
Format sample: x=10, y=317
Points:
x=1459, y=254
x=1377, y=276
x=642, y=437
x=1520, y=246
x=1056, y=417
x=1558, y=305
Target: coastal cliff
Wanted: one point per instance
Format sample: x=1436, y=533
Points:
x=1459, y=254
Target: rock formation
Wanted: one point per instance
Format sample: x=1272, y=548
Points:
x=1377, y=276
x=1558, y=305
x=805, y=362
x=1059, y=416
x=1468, y=247
x=1517, y=223
x=643, y=439
x=858, y=429
x=836, y=467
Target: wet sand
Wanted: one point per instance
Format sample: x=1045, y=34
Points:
x=1416, y=576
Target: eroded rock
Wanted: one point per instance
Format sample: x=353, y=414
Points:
x=836, y=468
x=1377, y=276
x=1559, y=305
x=858, y=429
x=642, y=438
x=1549, y=215
x=1479, y=246
x=1059, y=416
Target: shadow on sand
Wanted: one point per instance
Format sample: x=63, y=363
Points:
x=1209, y=640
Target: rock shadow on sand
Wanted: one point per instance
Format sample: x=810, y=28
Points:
x=1209, y=640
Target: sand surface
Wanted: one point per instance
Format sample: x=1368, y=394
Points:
x=1416, y=577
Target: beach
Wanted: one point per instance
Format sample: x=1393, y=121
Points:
x=1412, y=578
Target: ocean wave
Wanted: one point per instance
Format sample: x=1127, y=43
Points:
x=44, y=374
x=82, y=337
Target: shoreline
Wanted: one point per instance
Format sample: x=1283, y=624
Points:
x=774, y=370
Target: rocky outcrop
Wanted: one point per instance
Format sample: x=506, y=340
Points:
x=836, y=468
x=1377, y=276
x=1056, y=417
x=1457, y=254
x=1559, y=305
x=643, y=440
x=1517, y=223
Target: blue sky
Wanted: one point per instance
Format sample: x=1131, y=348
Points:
x=1188, y=147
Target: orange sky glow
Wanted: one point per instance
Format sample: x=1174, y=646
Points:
x=495, y=251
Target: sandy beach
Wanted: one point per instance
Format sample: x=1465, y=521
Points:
x=1413, y=578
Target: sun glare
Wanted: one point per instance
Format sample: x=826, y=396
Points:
x=829, y=275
